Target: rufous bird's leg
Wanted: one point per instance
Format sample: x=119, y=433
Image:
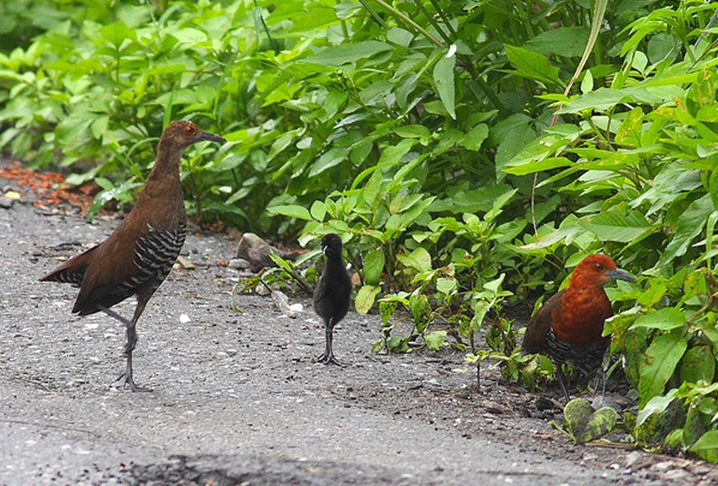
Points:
x=601, y=384
x=562, y=381
x=328, y=356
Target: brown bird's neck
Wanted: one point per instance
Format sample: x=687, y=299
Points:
x=583, y=312
x=162, y=194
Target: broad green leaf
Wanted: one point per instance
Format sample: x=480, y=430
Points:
x=374, y=266
x=347, y=53
x=365, y=298
x=707, y=446
x=659, y=363
x=444, y=80
x=290, y=210
x=421, y=311
x=475, y=137
x=532, y=65
x=617, y=227
x=318, y=210
x=399, y=36
x=629, y=133
x=392, y=154
x=332, y=157
x=698, y=364
x=446, y=285
x=387, y=310
x=564, y=41
x=663, y=319
x=435, y=340
x=655, y=405
x=412, y=131
x=689, y=225
x=537, y=166
x=419, y=259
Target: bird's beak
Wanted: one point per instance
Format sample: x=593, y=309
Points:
x=619, y=274
x=324, y=249
x=211, y=137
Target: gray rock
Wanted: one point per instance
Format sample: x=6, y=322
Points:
x=256, y=251
x=239, y=264
x=6, y=202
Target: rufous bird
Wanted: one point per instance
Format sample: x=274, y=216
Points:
x=569, y=326
x=137, y=257
x=331, y=297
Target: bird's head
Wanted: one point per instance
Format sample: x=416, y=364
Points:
x=183, y=133
x=332, y=245
x=596, y=271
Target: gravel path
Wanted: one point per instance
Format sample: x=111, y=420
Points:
x=238, y=399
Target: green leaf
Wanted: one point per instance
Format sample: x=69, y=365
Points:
x=629, y=133
x=698, y=364
x=392, y=154
x=365, y=298
x=291, y=210
x=374, y=266
x=537, y=166
x=421, y=311
x=655, y=405
x=346, y=53
x=475, y=137
x=618, y=227
x=532, y=65
x=444, y=80
x=446, y=285
x=318, y=210
x=332, y=157
x=564, y=41
x=419, y=259
x=664, y=319
x=707, y=446
x=659, y=363
x=688, y=226
x=435, y=340
x=399, y=36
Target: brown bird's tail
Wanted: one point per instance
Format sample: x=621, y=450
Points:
x=73, y=270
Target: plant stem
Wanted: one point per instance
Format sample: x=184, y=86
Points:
x=404, y=18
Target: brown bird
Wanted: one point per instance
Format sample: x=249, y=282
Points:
x=569, y=326
x=331, y=297
x=137, y=257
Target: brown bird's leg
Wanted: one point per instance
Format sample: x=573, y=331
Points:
x=131, y=341
x=562, y=381
x=328, y=356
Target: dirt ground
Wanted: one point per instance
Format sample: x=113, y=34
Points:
x=237, y=397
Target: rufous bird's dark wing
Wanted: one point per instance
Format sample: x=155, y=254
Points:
x=540, y=323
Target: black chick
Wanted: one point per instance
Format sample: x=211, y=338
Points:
x=331, y=297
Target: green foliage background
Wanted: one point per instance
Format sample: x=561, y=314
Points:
x=421, y=131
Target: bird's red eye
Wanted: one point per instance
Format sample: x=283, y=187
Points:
x=189, y=130
x=598, y=266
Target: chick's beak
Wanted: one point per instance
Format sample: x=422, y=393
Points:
x=324, y=249
x=620, y=274
x=211, y=137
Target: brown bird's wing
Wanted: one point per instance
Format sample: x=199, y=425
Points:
x=136, y=258
x=540, y=323
x=103, y=283
x=73, y=270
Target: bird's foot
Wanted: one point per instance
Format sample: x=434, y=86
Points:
x=127, y=380
x=329, y=359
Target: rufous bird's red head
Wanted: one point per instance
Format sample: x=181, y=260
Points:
x=596, y=271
